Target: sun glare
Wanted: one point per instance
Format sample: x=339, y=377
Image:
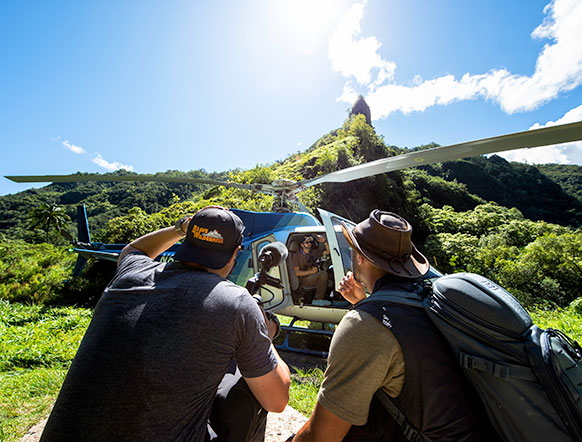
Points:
x=310, y=21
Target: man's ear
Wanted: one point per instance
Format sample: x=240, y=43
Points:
x=234, y=254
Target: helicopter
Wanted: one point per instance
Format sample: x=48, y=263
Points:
x=286, y=296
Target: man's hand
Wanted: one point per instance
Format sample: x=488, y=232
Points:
x=273, y=326
x=322, y=239
x=351, y=290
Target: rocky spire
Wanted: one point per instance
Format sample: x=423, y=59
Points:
x=361, y=107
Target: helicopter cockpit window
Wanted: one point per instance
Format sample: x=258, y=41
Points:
x=343, y=244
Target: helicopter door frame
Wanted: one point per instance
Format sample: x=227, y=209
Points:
x=335, y=251
x=274, y=298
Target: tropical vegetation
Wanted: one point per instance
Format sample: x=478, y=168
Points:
x=517, y=224
x=39, y=342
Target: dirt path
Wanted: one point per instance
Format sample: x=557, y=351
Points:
x=279, y=426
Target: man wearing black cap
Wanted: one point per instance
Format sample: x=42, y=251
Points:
x=403, y=354
x=168, y=343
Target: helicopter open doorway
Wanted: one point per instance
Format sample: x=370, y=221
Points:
x=290, y=298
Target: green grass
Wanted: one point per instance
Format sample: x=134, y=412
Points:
x=304, y=388
x=568, y=319
x=37, y=345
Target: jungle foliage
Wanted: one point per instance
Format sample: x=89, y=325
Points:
x=104, y=201
x=568, y=176
x=485, y=215
x=526, y=187
x=538, y=262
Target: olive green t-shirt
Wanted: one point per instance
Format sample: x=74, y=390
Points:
x=364, y=356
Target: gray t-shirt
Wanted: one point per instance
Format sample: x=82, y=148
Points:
x=160, y=341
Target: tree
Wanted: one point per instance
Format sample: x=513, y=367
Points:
x=49, y=217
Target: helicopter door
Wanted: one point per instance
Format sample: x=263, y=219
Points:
x=339, y=248
x=274, y=299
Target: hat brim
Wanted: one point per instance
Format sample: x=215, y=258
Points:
x=213, y=259
x=416, y=266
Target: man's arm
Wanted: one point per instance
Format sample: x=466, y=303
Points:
x=322, y=239
x=310, y=271
x=272, y=389
x=323, y=426
x=154, y=243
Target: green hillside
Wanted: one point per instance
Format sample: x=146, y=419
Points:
x=103, y=200
x=538, y=196
x=568, y=176
x=507, y=221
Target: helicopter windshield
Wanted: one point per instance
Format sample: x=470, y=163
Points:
x=344, y=247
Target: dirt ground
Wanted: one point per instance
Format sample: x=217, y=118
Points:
x=279, y=425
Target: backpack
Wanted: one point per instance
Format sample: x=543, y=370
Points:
x=529, y=380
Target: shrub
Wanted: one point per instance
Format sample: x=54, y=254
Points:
x=34, y=273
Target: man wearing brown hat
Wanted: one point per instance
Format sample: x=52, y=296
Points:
x=401, y=354
x=174, y=351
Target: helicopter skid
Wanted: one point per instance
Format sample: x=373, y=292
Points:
x=291, y=328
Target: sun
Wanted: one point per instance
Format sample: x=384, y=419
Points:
x=310, y=22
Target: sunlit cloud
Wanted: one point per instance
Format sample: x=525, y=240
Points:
x=109, y=165
x=358, y=58
x=558, y=69
x=75, y=149
x=96, y=157
x=566, y=153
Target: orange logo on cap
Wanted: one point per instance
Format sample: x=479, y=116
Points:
x=203, y=234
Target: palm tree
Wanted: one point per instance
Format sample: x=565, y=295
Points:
x=50, y=217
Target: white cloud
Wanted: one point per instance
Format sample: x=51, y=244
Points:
x=75, y=149
x=96, y=157
x=111, y=166
x=558, y=69
x=566, y=153
x=358, y=58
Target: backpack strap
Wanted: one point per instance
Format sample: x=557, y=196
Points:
x=503, y=371
x=401, y=297
x=396, y=296
x=408, y=430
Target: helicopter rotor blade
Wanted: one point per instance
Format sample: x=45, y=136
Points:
x=527, y=139
x=135, y=178
x=532, y=138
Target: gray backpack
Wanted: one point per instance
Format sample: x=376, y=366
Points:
x=529, y=379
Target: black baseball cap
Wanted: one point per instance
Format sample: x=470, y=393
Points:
x=213, y=235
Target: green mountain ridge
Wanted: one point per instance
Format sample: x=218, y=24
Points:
x=549, y=193
x=568, y=176
x=507, y=221
x=538, y=194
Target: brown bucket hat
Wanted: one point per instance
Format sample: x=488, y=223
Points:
x=384, y=239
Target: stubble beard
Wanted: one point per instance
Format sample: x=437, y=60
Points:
x=356, y=270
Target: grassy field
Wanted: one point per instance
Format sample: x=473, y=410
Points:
x=38, y=343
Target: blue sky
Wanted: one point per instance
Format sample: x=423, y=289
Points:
x=152, y=86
